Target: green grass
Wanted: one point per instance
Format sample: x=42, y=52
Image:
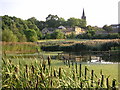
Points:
x=107, y=69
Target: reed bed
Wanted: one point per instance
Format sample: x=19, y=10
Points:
x=41, y=74
x=19, y=47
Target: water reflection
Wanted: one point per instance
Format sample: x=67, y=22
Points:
x=93, y=57
x=90, y=57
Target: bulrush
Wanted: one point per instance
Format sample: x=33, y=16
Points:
x=26, y=69
x=114, y=84
x=102, y=81
x=59, y=72
x=80, y=70
x=98, y=82
x=49, y=61
x=76, y=66
x=92, y=74
x=85, y=72
x=33, y=69
x=107, y=82
x=54, y=73
x=44, y=65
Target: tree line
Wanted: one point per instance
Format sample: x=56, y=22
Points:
x=18, y=30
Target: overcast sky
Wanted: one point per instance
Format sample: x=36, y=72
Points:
x=98, y=12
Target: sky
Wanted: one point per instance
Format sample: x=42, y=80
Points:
x=98, y=12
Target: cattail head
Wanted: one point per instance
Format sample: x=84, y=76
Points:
x=60, y=72
x=49, y=60
x=51, y=83
x=33, y=69
x=26, y=68
x=113, y=83
x=98, y=82
x=54, y=73
x=76, y=66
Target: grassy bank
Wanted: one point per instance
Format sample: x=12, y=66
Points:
x=81, y=45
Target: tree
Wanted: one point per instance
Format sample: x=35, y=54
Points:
x=31, y=35
x=47, y=36
x=57, y=35
x=107, y=28
x=21, y=37
x=52, y=21
x=92, y=32
x=62, y=21
x=8, y=36
x=71, y=36
x=76, y=22
x=39, y=35
x=73, y=22
x=83, y=23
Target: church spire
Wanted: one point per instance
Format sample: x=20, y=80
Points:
x=83, y=15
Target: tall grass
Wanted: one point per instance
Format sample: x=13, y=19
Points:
x=19, y=47
x=40, y=74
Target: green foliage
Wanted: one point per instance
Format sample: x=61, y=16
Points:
x=17, y=28
x=31, y=35
x=48, y=36
x=21, y=37
x=8, y=36
x=39, y=35
x=71, y=36
x=76, y=22
x=90, y=35
x=57, y=35
x=52, y=21
x=107, y=28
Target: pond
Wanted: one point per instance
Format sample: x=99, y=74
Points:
x=92, y=57
x=86, y=57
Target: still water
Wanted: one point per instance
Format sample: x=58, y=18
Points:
x=86, y=57
x=93, y=57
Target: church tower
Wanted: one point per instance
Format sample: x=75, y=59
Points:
x=83, y=15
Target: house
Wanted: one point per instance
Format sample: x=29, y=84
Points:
x=62, y=27
x=77, y=30
x=47, y=30
x=115, y=29
x=66, y=30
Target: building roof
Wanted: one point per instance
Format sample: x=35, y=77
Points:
x=61, y=27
